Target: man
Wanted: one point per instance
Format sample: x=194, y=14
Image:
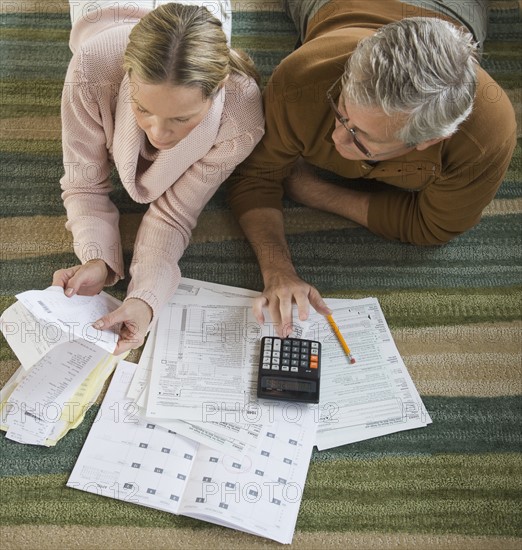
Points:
x=388, y=93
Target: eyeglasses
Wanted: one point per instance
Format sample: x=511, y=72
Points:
x=343, y=120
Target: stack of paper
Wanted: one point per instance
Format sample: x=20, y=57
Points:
x=199, y=368
x=198, y=442
x=184, y=431
x=64, y=363
x=130, y=458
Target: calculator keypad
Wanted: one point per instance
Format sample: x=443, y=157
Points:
x=289, y=355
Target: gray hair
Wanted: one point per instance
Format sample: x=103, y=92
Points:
x=423, y=68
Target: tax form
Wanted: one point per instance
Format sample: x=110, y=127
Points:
x=186, y=287
x=235, y=438
x=42, y=399
x=205, y=361
x=376, y=395
x=130, y=458
x=29, y=339
x=64, y=362
x=204, y=358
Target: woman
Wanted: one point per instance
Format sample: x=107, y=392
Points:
x=161, y=96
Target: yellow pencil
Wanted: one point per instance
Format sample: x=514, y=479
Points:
x=342, y=341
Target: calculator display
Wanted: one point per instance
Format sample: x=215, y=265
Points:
x=286, y=384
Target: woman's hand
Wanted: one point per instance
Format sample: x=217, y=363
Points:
x=86, y=280
x=133, y=318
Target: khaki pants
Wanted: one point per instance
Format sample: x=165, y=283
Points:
x=473, y=14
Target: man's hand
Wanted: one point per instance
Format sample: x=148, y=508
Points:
x=282, y=289
x=133, y=318
x=86, y=280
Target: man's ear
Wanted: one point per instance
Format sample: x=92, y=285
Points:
x=425, y=144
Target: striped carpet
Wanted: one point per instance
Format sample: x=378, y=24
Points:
x=454, y=311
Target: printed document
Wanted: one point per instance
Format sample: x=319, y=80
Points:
x=64, y=362
x=373, y=397
x=205, y=369
x=131, y=458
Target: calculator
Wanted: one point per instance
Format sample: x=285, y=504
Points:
x=289, y=369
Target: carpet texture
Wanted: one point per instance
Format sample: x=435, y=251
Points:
x=454, y=311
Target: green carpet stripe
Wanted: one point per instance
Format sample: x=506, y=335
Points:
x=366, y=278
x=500, y=49
x=43, y=170
x=418, y=306
x=498, y=31
x=34, y=59
x=20, y=170
x=44, y=19
x=260, y=42
x=272, y=22
x=21, y=36
x=35, y=97
x=503, y=11
x=460, y=426
x=501, y=66
x=514, y=173
x=445, y=307
x=37, y=147
x=445, y=494
x=47, y=500
x=25, y=109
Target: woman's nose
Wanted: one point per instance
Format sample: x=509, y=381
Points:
x=159, y=130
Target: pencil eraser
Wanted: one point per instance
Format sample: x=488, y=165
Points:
x=352, y=361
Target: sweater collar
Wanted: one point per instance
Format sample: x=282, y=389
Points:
x=168, y=166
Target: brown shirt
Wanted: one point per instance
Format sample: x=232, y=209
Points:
x=429, y=196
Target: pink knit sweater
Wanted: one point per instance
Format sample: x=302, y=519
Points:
x=99, y=129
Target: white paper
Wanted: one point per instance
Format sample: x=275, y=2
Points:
x=193, y=287
x=186, y=287
x=373, y=397
x=140, y=380
x=233, y=439
x=29, y=338
x=200, y=355
x=42, y=397
x=74, y=316
x=129, y=458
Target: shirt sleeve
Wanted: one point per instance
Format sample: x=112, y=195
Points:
x=91, y=216
x=166, y=228
x=258, y=181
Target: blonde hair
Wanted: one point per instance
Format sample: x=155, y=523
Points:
x=183, y=45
